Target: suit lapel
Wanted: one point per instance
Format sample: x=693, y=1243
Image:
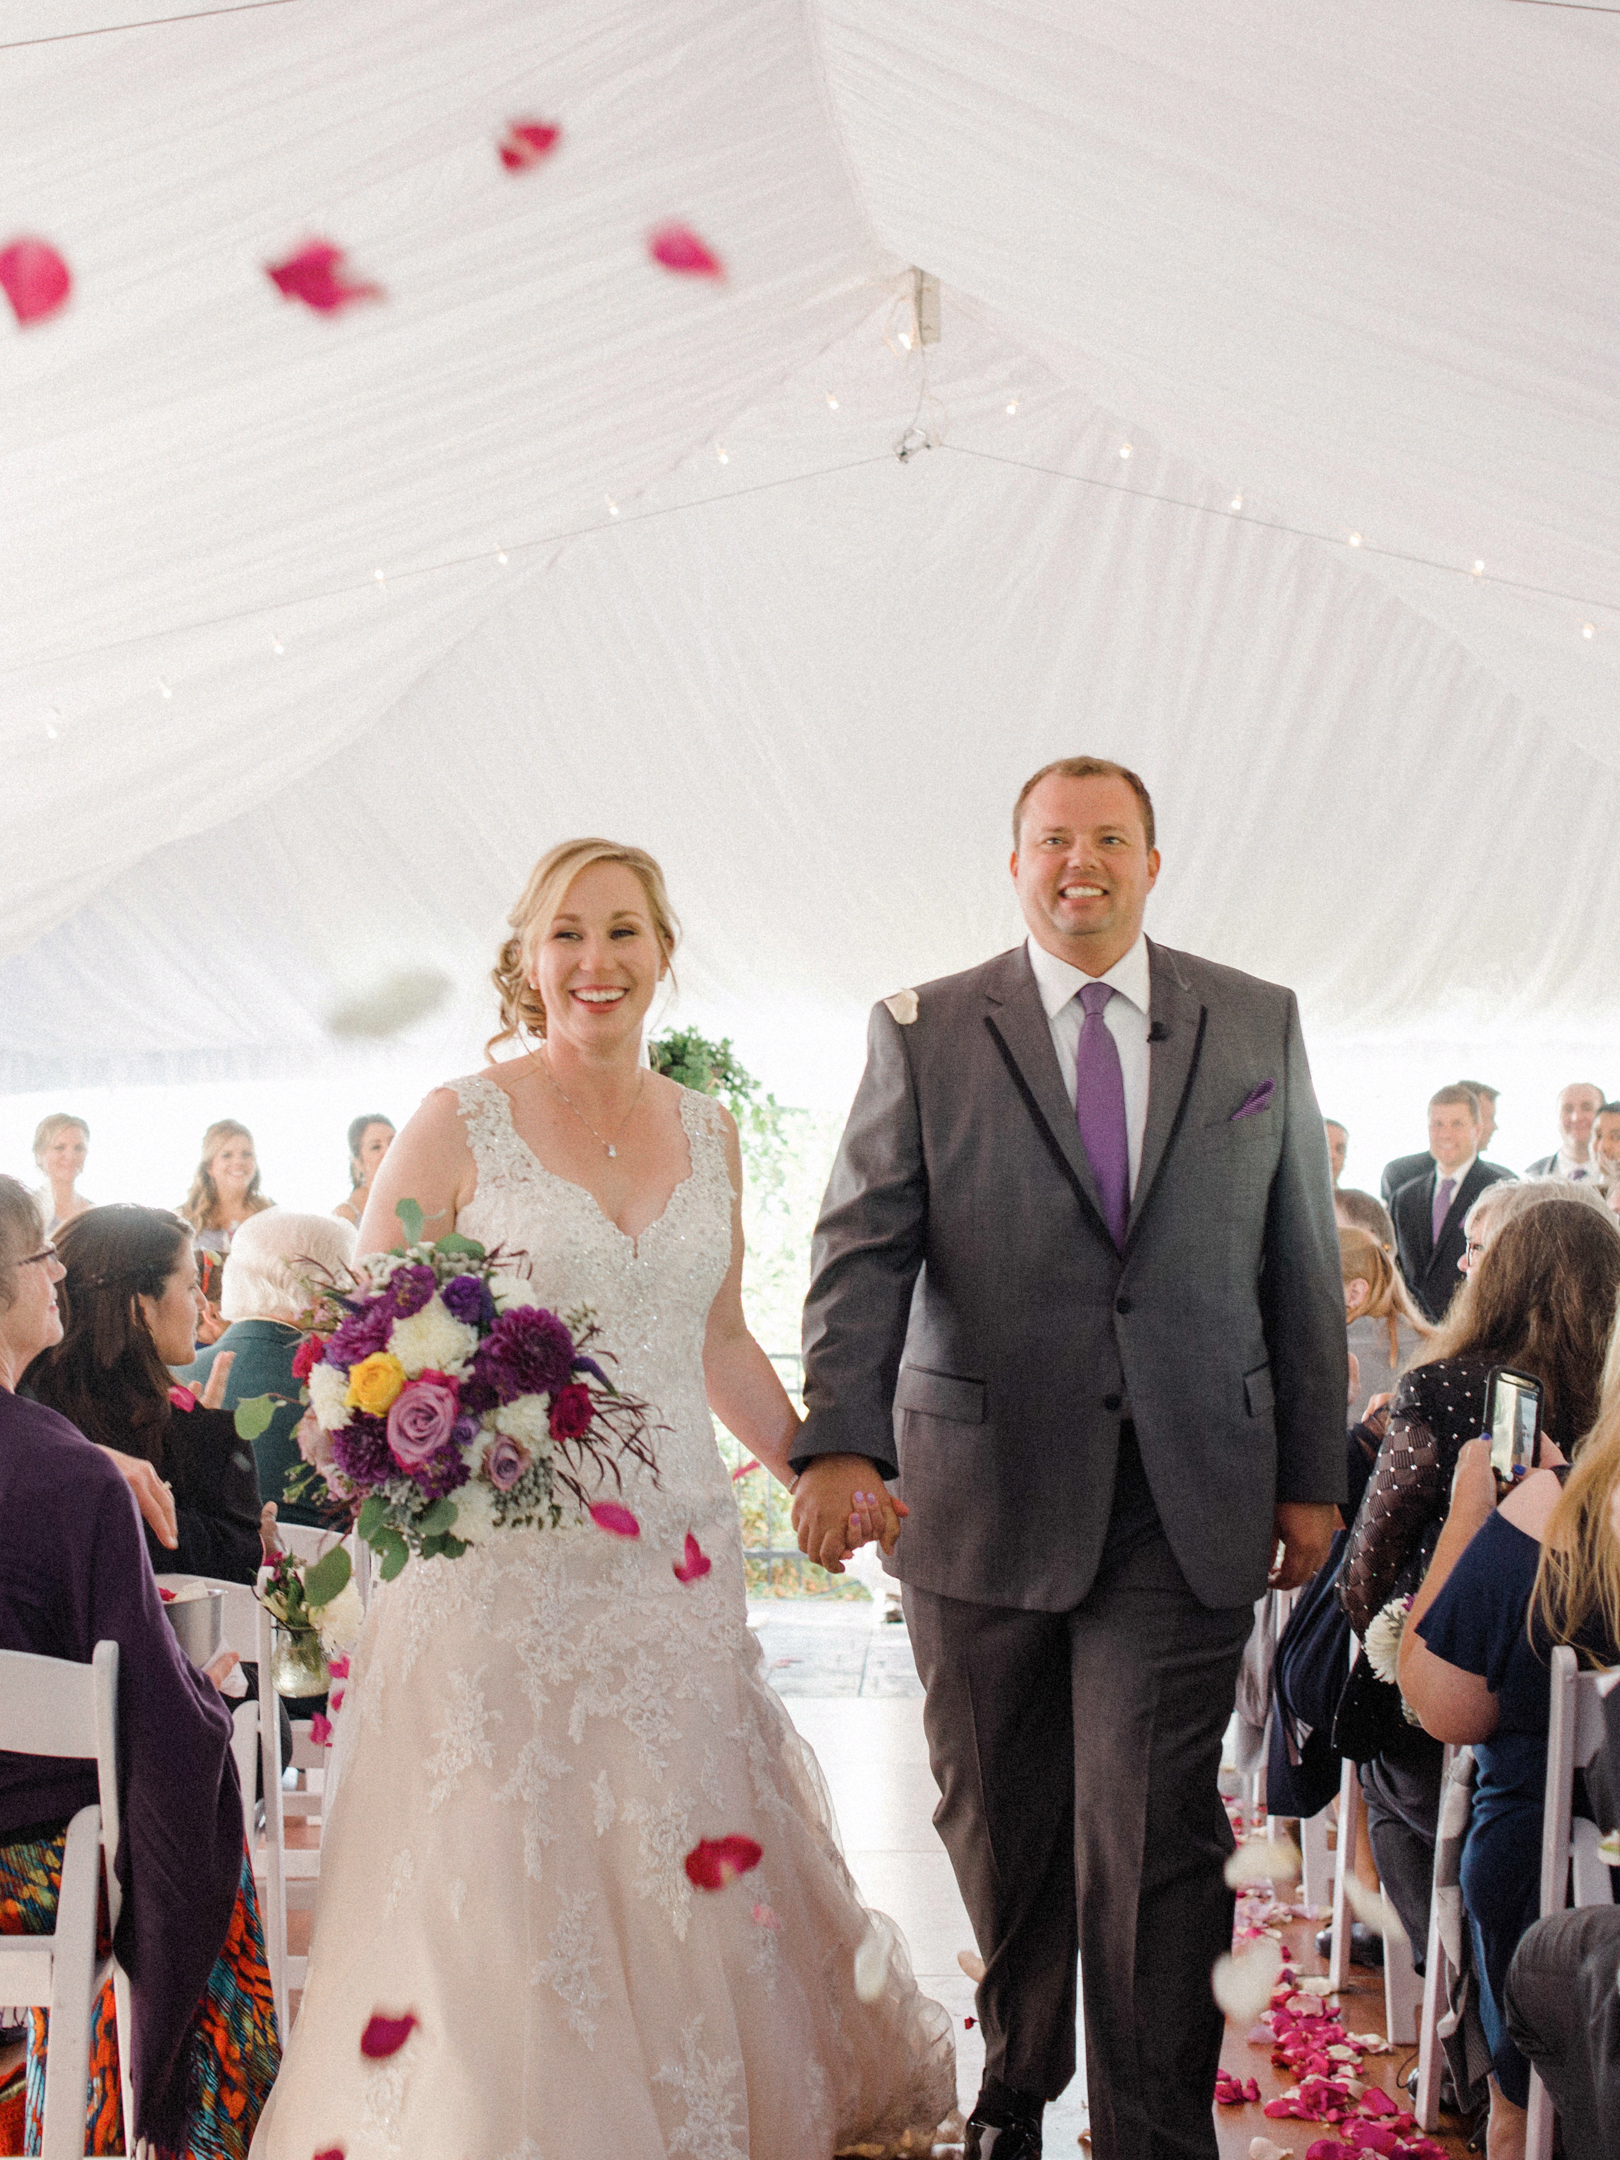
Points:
x=1177, y=1020
x=1017, y=1020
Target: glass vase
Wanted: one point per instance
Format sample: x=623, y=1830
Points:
x=298, y=1663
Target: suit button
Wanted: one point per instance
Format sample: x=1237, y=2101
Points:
x=1122, y=1304
x=1112, y=1402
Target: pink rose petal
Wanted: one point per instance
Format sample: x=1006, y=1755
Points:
x=35, y=279
x=316, y=276
x=182, y=1397
x=743, y=1469
x=338, y=1667
x=678, y=248
x=385, y=2036
x=336, y=1700
x=525, y=143
x=608, y=1515
x=320, y=1730
x=696, y=1563
x=1375, y=2101
x=332, y=2152
x=714, y=1862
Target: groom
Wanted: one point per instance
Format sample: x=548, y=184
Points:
x=1076, y=1280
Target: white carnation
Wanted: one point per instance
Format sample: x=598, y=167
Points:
x=510, y=1290
x=339, y=1623
x=328, y=1396
x=1382, y=1643
x=475, y=1512
x=527, y=1421
x=432, y=1340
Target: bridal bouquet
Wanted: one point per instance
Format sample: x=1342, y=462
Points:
x=446, y=1403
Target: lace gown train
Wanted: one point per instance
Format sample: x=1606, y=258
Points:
x=533, y=1739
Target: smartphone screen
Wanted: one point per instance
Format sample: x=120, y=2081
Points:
x=1513, y=1420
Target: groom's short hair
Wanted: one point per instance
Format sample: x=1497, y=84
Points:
x=1086, y=768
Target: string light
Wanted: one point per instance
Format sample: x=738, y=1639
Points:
x=382, y=581
x=1012, y=407
x=1479, y=567
x=832, y=402
x=1237, y=501
x=53, y=727
x=905, y=340
x=612, y=506
x=164, y=689
x=1124, y=449
x=1587, y=630
x=1355, y=539
x=501, y=555
x=722, y=453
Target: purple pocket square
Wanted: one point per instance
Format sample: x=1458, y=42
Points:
x=1255, y=1101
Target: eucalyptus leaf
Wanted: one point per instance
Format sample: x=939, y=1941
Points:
x=410, y=1221
x=372, y=1510
x=454, y=1242
x=432, y=1547
x=395, y=1552
x=439, y=1517
x=326, y=1577
x=253, y=1415
x=453, y=1547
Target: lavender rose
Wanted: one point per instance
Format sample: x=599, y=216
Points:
x=421, y=1419
x=505, y=1463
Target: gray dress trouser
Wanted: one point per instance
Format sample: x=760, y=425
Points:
x=1077, y=1756
x=1563, y=2010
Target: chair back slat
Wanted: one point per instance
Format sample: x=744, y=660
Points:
x=48, y=1706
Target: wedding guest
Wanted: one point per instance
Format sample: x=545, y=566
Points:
x=131, y=1301
x=1338, y=1140
x=1428, y=1210
x=273, y=1261
x=1541, y=1299
x=61, y=1143
x=1355, y=1210
x=74, y=1572
x=1505, y=1584
x=1606, y=1146
x=1578, y=1107
x=1406, y=1167
x=1386, y=1330
x=369, y=1140
x=224, y=1193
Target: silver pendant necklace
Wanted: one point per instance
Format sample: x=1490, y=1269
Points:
x=611, y=1146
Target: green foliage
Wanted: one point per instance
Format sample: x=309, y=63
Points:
x=440, y=1517
x=253, y=1415
x=410, y=1220
x=326, y=1577
x=370, y=1519
x=394, y=1553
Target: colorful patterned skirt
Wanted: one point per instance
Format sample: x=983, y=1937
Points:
x=231, y=2051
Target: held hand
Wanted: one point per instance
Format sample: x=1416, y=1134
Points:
x=833, y=1514
x=213, y=1395
x=152, y=1496
x=1304, y=1529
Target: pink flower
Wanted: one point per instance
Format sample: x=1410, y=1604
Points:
x=385, y=2035
x=714, y=1862
x=314, y=1442
x=182, y=1397
x=618, y=1521
x=525, y=143
x=320, y=1730
x=505, y=1463
x=678, y=248
x=307, y=1356
x=316, y=276
x=338, y=1667
x=35, y=279
x=696, y=1563
x=421, y=1419
x=571, y=1412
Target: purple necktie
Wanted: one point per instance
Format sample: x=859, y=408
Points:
x=1442, y=1208
x=1099, y=1109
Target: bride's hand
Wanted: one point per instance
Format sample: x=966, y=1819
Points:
x=839, y=1502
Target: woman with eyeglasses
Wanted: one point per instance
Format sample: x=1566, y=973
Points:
x=73, y=1573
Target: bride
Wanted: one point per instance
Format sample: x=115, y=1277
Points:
x=537, y=1734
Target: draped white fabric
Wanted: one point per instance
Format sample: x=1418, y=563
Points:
x=1352, y=264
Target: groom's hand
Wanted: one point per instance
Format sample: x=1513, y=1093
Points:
x=829, y=1493
x=1304, y=1529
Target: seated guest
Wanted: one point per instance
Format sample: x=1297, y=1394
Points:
x=370, y=1138
x=1353, y=1210
x=1428, y=1211
x=1406, y=1167
x=73, y=1572
x=131, y=1303
x=1338, y=1141
x=1386, y=1330
x=1506, y=1583
x=1606, y=1146
x=1541, y=1299
x=1578, y=1107
x=274, y=1260
x=61, y=1144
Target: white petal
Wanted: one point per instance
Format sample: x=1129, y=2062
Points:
x=1242, y=1985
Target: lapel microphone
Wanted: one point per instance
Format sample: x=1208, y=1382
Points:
x=1158, y=1032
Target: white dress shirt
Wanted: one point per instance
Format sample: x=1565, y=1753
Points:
x=1126, y=1014
x=1573, y=1172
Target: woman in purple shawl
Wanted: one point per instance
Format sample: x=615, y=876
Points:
x=74, y=1572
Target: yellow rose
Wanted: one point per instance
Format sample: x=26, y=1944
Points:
x=374, y=1383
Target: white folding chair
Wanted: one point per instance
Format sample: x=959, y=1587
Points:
x=54, y=1706
x=1575, y=1732
x=290, y=1873
x=307, y=1543
x=1431, y=2056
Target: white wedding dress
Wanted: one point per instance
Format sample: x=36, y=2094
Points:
x=534, y=1737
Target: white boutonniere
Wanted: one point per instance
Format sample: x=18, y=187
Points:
x=903, y=1005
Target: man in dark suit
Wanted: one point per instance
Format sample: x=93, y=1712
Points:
x=1428, y=1210
x=1406, y=1167
x=1076, y=1276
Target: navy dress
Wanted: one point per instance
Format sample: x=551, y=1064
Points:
x=1478, y=1624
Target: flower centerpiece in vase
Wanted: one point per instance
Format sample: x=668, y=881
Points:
x=446, y=1404
x=316, y=1607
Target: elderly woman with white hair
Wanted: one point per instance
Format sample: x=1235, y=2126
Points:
x=275, y=1260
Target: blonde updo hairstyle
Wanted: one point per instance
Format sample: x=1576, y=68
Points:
x=539, y=904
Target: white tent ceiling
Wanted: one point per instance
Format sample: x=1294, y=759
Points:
x=1351, y=262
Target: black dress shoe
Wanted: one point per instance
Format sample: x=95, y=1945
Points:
x=991, y=2141
x=1366, y=1945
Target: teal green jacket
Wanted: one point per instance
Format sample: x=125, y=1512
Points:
x=264, y=1352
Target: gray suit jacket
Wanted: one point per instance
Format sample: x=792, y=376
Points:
x=972, y=1325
